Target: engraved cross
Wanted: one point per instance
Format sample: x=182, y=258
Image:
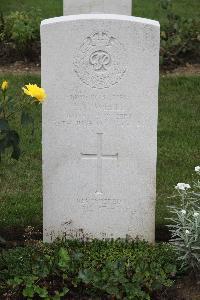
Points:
x=99, y=156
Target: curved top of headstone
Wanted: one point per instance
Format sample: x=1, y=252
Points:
x=76, y=7
x=64, y=19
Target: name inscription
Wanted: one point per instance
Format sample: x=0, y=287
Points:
x=90, y=110
x=100, y=203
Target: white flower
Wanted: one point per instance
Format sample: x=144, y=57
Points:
x=196, y=214
x=182, y=186
x=187, y=231
x=197, y=169
x=183, y=211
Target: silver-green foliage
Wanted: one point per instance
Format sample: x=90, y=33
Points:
x=185, y=225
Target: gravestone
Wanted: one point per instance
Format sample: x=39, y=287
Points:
x=75, y=7
x=100, y=72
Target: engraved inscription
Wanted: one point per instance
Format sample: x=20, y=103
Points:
x=90, y=204
x=99, y=156
x=115, y=108
x=100, y=62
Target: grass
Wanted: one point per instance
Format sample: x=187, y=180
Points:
x=49, y=8
x=178, y=154
x=178, y=136
x=21, y=190
x=143, y=8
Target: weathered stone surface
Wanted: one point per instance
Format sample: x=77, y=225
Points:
x=100, y=126
x=76, y=7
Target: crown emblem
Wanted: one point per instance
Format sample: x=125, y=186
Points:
x=100, y=62
x=98, y=39
x=101, y=39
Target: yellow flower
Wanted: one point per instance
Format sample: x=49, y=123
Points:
x=4, y=85
x=35, y=92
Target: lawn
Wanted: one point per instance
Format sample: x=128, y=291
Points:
x=178, y=154
x=21, y=182
x=143, y=8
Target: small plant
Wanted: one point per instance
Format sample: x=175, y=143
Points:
x=17, y=109
x=117, y=280
x=118, y=269
x=21, y=29
x=185, y=227
x=180, y=37
x=34, y=283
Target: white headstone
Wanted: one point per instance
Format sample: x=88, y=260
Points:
x=76, y=7
x=101, y=74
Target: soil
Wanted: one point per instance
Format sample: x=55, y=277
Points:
x=188, y=69
x=15, y=236
x=186, y=288
x=21, y=68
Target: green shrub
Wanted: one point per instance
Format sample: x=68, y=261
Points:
x=21, y=29
x=119, y=269
x=180, y=38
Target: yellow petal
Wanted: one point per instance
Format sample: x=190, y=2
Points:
x=26, y=91
x=34, y=91
x=4, y=85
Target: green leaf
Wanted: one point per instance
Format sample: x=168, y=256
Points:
x=16, y=153
x=4, y=124
x=85, y=276
x=64, y=292
x=64, y=258
x=10, y=105
x=26, y=119
x=9, y=99
x=42, y=292
x=11, y=139
x=29, y=291
x=58, y=295
x=16, y=281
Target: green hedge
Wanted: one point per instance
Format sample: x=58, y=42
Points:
x=20, y=35
x=180, y=37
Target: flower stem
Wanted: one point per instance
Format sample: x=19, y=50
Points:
x=3, y=105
